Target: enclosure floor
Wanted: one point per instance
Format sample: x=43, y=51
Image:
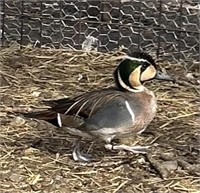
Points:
x=36, y=157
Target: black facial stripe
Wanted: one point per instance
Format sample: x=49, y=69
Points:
x=144, y=66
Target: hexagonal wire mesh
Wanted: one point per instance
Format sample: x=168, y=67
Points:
x=168, y=28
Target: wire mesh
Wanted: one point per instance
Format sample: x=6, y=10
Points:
x=170, y=29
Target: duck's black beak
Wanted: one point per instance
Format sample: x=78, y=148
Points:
x=163, y=76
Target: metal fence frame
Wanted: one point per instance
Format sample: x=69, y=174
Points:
x=169, y=29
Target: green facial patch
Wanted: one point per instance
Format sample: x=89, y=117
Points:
x=126, y=67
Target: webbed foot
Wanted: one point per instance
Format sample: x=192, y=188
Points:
x=80, y=156
x=133, y=149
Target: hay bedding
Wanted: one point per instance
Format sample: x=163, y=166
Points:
x=36, y=157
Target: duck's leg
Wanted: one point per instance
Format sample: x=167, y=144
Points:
x=78, y=155
x=133, y=149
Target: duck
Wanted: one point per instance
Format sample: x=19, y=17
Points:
x=110, y=113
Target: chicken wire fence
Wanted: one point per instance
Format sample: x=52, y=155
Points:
x=169, y=29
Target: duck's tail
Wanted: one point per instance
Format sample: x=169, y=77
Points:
x=57, y=119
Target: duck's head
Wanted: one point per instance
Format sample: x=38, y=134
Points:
x=136, y=69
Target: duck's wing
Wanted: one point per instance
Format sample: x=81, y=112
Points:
x=62, y=111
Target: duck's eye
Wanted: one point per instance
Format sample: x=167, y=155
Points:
x=144, y=66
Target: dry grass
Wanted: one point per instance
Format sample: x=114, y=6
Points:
x=36, y=157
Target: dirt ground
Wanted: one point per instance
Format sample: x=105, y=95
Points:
x=36, y=157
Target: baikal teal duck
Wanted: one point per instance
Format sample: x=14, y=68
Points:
x=111, y=113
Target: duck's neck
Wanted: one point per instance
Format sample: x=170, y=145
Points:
x=125, y=88
x=140, y=88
